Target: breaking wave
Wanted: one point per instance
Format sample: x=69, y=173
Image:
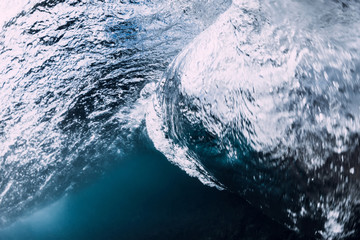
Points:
x=71, y=80
x=265, y=103
x=256, y=97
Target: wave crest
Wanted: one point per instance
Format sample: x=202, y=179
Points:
x=268, y=107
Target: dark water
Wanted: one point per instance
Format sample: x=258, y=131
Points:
x=146, y=197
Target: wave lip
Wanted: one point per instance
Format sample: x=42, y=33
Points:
x=268, y=107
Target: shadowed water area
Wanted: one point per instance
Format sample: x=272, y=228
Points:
x=146, y=197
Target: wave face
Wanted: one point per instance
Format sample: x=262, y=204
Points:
x=265, y=103
x=72, y=80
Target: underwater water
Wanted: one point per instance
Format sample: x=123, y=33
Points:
x=145, y=197
x=257, y=99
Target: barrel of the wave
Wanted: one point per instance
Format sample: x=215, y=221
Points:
x=267, y=107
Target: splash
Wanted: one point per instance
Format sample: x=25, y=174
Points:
x=265, y=103
x=71, y=87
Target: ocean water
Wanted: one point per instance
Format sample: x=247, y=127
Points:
x=146, y=197
x=162, y=119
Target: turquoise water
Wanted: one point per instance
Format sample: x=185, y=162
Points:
x=145, y=197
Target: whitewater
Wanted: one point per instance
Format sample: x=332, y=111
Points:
x=259, y=98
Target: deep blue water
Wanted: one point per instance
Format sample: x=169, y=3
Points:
x=146, y=197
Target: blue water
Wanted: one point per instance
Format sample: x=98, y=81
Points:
x=146, y=197
x=179, y=119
